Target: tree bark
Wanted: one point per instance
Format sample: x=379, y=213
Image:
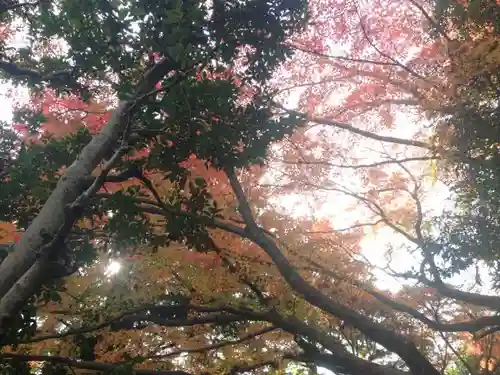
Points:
x=24, y=270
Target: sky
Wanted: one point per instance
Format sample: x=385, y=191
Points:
x=5, y=104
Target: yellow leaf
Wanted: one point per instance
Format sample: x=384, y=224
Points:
x=434, y=172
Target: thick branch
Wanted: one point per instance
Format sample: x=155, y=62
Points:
x=471, y=326
x=417, y=363
x=133, y=314
x=249, y=368
x=340, y=360
x=350, y=364
x=492, y=302
x=87, y=365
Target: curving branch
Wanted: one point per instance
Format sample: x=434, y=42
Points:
x=60, y=78
x=392, y=341
x=386, y=55
x=493, y=302
x=471, y=326
x=224, y=315
x=339, y=359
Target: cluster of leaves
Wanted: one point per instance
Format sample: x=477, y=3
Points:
x=462, y=14
x=106, y=45
x=471, y=116
x=202, y=287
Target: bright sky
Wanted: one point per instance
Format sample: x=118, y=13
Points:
x=5, y=104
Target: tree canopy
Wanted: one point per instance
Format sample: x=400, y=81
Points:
x=249, y=187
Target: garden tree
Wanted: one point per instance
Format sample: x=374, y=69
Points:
x=224, y=276
x=173, y=183
x=113, y=52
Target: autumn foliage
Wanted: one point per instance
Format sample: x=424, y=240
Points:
x=257, y=197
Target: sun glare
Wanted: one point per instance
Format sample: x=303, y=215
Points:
x=113, y=268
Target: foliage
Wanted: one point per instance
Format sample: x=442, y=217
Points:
x=470, y=123
x=166, y=210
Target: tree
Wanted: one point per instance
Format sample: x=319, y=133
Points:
x=214, y=271
x=116, y=67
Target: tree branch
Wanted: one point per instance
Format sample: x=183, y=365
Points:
x=430, y=19
x=347, y=363
x=360, y=166
x=132, y=314
x=417, y=363
x=343, y=58
x=87, y=365
x=207, y=348
x=249, y=368
x=385, y=55
x=354, y=130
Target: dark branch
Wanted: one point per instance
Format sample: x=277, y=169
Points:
x=220, y=319
x=343, y=58
x=248, y=368
x=434, y=24
x=207, y=348
x=87, y=365
x=385, y=55
x=376, y=332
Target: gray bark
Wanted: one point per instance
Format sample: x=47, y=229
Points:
x=25, y=270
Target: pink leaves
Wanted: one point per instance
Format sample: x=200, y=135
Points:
x=312, y=102
x=20, y=128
